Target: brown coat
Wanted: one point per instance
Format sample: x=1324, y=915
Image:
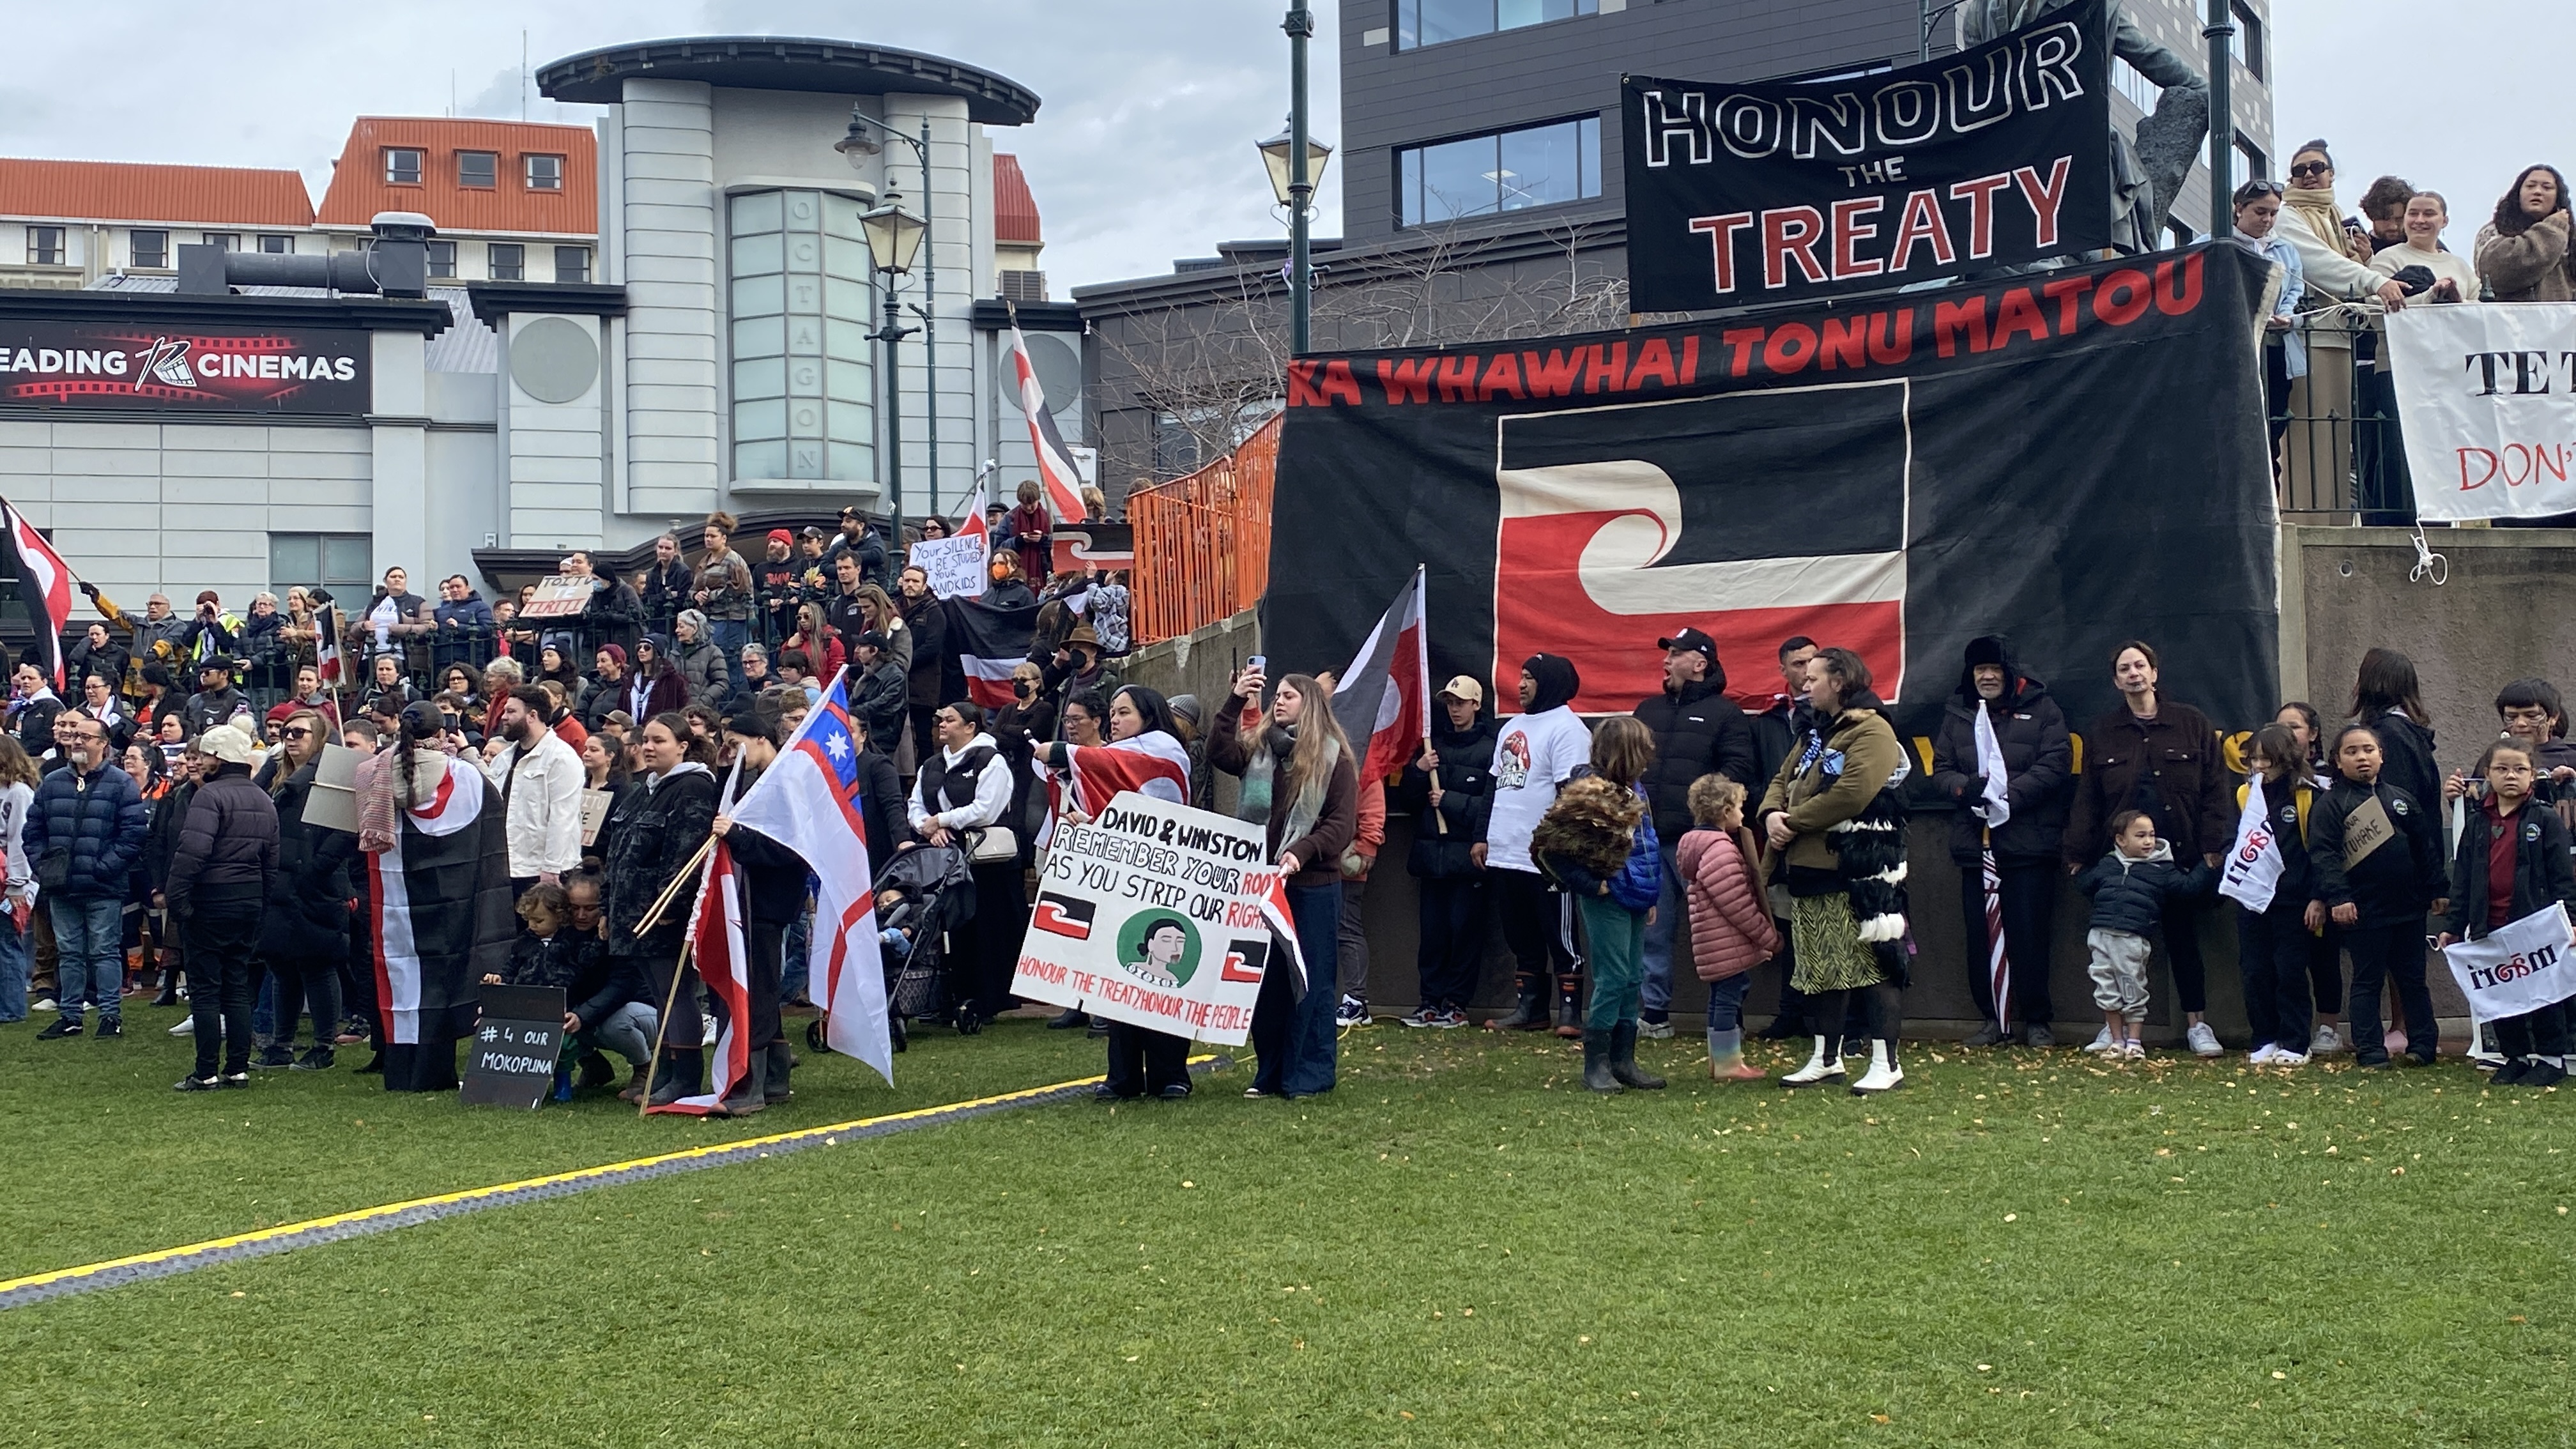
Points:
x=1731, y=931
x=2537, y=266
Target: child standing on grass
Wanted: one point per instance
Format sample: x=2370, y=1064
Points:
x=1598, y=841
x=2513, y=860
x=2377, y=854
x=2272, y=941
x=1731, y=931
x=2129, y=887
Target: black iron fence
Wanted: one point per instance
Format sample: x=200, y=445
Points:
x=2338, y=453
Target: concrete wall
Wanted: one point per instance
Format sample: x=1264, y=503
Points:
x=660, y=155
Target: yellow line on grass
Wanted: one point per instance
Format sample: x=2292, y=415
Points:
x=445, y=1199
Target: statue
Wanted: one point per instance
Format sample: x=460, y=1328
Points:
x=2145, y=178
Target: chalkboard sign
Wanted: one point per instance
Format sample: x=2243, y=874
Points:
x=515, y=1046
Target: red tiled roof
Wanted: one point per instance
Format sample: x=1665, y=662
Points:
x=359, y=189
x=130, y=191
x=1015, y=211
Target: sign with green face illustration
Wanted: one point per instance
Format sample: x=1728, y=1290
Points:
x=1159, y=947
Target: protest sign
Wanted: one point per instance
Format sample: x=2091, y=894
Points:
x=1152, y=914
x=955, y=565
x=515, y=1046
x=333, y=803
x=2517, y=968
x=2487, y=396
x=1779, y=190
x=558, y=596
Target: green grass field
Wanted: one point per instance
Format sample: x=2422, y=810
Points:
x=1460, y=1245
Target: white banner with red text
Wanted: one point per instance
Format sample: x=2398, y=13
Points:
x=2486, y=393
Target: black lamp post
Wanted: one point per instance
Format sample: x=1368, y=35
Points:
x=1296, y=166
x=857, y=145
x=894, y=238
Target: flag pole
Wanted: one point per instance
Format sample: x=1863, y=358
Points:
x=661, y=903
x=662, y=1028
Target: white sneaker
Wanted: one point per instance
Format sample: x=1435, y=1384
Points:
x=2263, y=1056
x=2102, y=1042
x=1655, y=1030
x=2202, y=1041
x=2133, y=1050
x=2327, y=1039
x=1820, y=1067
x=41, y=1007
x=2284, y=1057
x=187, y=1027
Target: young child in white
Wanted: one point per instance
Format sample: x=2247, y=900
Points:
x=2129, y=887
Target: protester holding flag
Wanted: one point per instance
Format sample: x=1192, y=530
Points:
x=960, y=799
x=654, y=839
x=1300, y=781
x=1031, y=533
x=2379, y=867
x=2269, y=878
x=773, y=899
x=1450, y=787
x=2514, y=861
x=2005, y=762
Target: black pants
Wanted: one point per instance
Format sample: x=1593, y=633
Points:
x=313, y=984
x=2182, y=951
x=2541, y=1033
x=925, y=740
x=2382, y=955
x=985, y=953
x=2325, y=969
x=358, y=974
x=2029, y=891
x=768, y=947
x=2272, y=951
x=655, y=958
x=222, y=984
x=1143, y=1061
x=2276, y=394
x=1538, y=926
x=1453, y=939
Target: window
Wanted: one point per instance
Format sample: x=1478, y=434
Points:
x=2129, y=81
x=480, y=170
x=333, y=560
x=149, y=248
x=276, y=245
x=545, y=173
x=2247, y=43
x=572, y=264
x=803, y=390
x=1429, y=22
x=1486, y=175
x=45, y=246
x=2251, y=163
x=442, y=259
x=229, y=240
x=402, y=165
x=508, y=261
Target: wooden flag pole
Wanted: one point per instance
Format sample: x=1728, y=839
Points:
x=662, y=1028
x=687, y=873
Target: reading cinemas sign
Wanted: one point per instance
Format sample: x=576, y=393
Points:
x=137, y=365
x=1745, y=194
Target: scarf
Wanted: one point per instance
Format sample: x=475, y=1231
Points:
x=378, y=787
x=2318, y=210
x=1260, y=785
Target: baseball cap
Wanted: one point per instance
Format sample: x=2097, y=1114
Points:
x=1690, y=639
x=226, y=743
x=1464, y=688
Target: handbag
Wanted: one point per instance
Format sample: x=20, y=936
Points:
x=992, y=845
x=54, y=870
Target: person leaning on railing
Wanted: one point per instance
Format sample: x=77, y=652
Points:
x=2528, y=252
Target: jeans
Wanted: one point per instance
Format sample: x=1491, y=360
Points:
x=627, y=1031
x=2029, y=898
x=297, y=985
x=1294, y=1036
x=13, y=971
x=793, y=976
x=1726, y=1001
x=1617, y=936
x=2384, y=955
x=1657, y=994
x=2272, y=951
x=89, y=934
x=221, y=936
x=730, y=635
x=1453, y=940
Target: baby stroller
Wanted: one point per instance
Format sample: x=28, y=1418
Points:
x=922, y=894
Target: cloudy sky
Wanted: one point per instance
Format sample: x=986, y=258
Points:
x=1143, y=150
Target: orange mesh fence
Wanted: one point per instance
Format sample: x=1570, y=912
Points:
x=1203, y=541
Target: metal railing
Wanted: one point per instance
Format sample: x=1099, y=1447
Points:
x=1203, y=540
x=2338, y=453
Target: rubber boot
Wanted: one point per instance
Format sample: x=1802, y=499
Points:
x=1529, y=1014
x=677, y=1076
x=563, y=1082
x=1884, y=1073
x=1623, y=1059
x=1825, y=1065
x=1726, y=1057
x=773, y=1077
x=1569, y=1006
x=747, y=1096
x=1596, y=1063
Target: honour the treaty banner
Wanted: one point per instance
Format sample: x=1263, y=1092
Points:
x=1152, y=914
x=1774, y=191
x=2075, y=458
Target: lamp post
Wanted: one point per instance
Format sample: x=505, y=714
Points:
x=894, y=237
x=1296, y=169
x=2220, y=32
x=856, y=145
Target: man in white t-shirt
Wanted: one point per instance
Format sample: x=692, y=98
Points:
x=1534, y=753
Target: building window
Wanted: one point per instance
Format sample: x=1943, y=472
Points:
x=45, y=246
x=332, y=560
x=229, y=240
x=545, y=173
x=442, y=259
x=1429, y=22
x=572, y=264
x=276, y=245
x=803, y=390
x=2251, y=163
x=2129, y=81
x=1486, y=175
x=402, y=165
x=149, y=248
x=508, y=261
x=2247, y=43
x=479, y=170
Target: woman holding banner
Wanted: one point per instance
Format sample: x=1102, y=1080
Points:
x=1299, y=780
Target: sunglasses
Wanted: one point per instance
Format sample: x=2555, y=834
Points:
x=295, y=733
x=2260, y=188
x=2310, y=168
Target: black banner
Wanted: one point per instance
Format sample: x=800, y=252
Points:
x=184, y=368
x=1741, y=194
x=2074, y=459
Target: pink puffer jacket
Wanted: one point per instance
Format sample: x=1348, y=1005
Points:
x=1730, y=920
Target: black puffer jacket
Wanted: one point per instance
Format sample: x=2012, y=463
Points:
x=228, y=847
x=1698, y=731
x=563, y=959
x=658, y=825
x=1466, y=798
x=2039, y=762
x=2130, y=895
x=308, y=917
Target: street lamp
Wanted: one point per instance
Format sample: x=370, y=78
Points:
x=1275, y=154
x=1296, y=165
x=857, y=146
x=894, y=238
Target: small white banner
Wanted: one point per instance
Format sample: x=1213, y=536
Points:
x=955, y=565
x=2252, y=870
x=2487, y=395
x=2517, y=968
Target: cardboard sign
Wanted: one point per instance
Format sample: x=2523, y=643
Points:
x=955, y=565
x=515, y=1046
x=558, y=596
x=594, y=814
x=1151, y=915
x=333, y=804
x=2365, y=830
x=2517, y=968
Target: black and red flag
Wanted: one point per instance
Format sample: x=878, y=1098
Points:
x=45, y=586
x=988, y=641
